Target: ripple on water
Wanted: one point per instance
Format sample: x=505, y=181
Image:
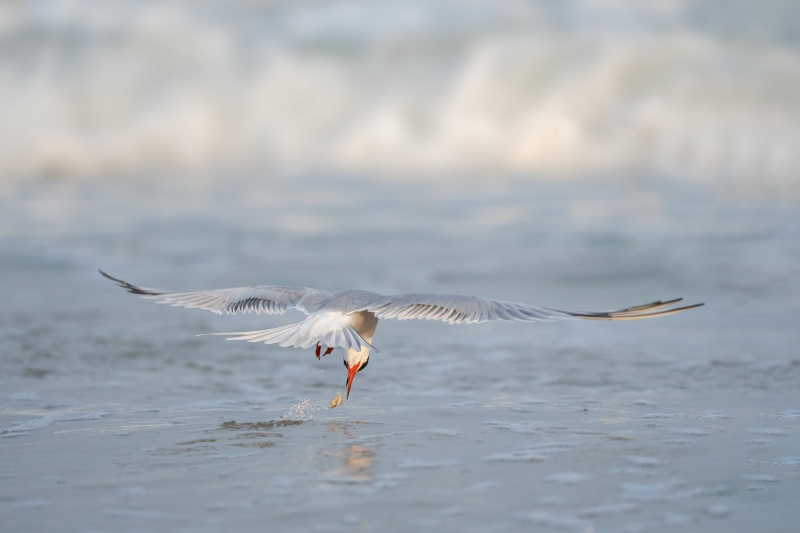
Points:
x=421, y=463
x=787, y=461
x=605, y=509
x=524, y=455
x=296, y=414
x=669, y=490
x=647, y=403
x=664, y=415
x=258, y=426
x=23, y=397
x=718, y=510
x=558, y=520
x=533, y=453
x=763, y=478
x=259, y=434
x=18, y=429
x=687, y=431
x=680, y=441
x=568, y=478
x=768, y=431
x=524, y=428
x=443, y=432
x=643, y=461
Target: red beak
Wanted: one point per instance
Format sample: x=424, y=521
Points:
x=351, y=373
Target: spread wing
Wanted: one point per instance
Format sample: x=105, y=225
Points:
x=269, y=299
x=457, y=309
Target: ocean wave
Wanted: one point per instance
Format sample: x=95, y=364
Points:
x=581, y=88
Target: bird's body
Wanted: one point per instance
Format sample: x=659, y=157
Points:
x=348, y=319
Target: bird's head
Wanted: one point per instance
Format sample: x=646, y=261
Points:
x=355, y=362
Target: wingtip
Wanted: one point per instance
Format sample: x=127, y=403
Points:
x=701, y=304
x=131, y=288
x=112, y=278
x=640, y=311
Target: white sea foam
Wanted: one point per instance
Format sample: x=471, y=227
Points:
x=492, y=85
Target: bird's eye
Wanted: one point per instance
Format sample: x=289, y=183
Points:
x=364, y=365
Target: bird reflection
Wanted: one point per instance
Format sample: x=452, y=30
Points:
x=356, y=459
x=358, y=462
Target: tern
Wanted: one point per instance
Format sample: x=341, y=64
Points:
x=347, y=319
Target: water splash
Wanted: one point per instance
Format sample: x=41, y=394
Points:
x=302, y=411
x=295, y=415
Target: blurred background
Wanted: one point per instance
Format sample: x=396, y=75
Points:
x=703, y=91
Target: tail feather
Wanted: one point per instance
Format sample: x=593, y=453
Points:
x=295, y=335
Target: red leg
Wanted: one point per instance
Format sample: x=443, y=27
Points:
x=318, y=349
x=329, y=350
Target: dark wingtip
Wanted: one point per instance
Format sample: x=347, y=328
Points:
x=640, y=311
x=129, y=287
x=694, y=305
x=112, y=278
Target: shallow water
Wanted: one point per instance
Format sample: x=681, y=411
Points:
x=115, y=416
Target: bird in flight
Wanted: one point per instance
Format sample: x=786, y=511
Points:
x=347, y=319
